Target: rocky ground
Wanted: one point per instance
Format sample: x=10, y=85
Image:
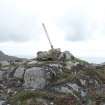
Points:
x=52, y=78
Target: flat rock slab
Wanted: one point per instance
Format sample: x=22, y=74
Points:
x=35, y=78
x=19, y=72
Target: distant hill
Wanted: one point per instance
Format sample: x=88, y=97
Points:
x=3, y=56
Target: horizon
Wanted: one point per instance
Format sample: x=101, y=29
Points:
x=95, y=60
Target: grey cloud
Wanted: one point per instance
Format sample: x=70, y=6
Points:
x=18, y=31
x=75, y=32
x=74, y=26
x=17, y=25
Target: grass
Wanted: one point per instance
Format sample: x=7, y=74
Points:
x=23, y=97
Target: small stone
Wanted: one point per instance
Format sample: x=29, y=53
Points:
x=51, y=103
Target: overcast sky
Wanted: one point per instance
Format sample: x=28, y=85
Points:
x=74, y=25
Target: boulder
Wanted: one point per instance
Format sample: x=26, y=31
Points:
x=1, y=75
x=68, y=56
x=42, y=55
x=34, y=78
x=4, y=63
x=32, y=62
x=52, y=71
x=2, y=102
x=19, y=72
x=52, y=55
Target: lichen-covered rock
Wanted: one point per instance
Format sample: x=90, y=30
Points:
x=4, y=63
x=42, y=55
x=52, y=55
x=68, y=56
x=1, y=75
x=34, y=78
x=73, y=86
x=2, y=102
x=19, y=72
x=32, y=62
x=56, y=69
x=69, y=65
x=63, y=89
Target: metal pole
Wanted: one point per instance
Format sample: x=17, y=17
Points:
x=44, y=27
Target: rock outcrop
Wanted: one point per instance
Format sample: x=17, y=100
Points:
x=35, y=78
x=52, y=78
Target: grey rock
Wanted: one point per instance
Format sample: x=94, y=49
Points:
x=61, y=57
x=1, y=75
x=7, y=73
x=68, y=56
x=2, y=102
x=4, y=63
x=35, y=78
x=19, y=72
x=5, y=68
x=42, y=55
x=53, y=70
x=64, y=90
x=54, y=54
x=69, y=65
x=32, y=62
x=74, y=86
